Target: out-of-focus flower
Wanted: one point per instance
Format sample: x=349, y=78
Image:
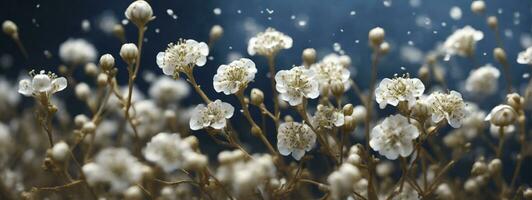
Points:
x=213, y=115
x=525, y=57
x=449, y=106
x=6, y=143
x=393, y=91
x=408, y=193
x=77, y=52
x=115, y=166
x=331, y=69
x=182, y=56
x=295, y=84
x=328, y=117
x=483, y=81
x=463, y=41
x=502, y=115
x=343, y=181
x=268, y=43
x=166, y=90
x=171, y=152
x=393, y=137
x=60, y=151
x=235, y=76
x=9, y=98
x=42, y=83
x=149, y=118
x=295, y=138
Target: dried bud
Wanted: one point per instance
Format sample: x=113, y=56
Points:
x=91, y=69
x=499, y=55
x=216, y=33
x=376, y=36
x=349, y=124
x=288, y=118
x=60, y=151
x=502, y=115
x=348, y=109
x=83, y=91
x=192, y=141
x=80, y=120
x=107, y=62
x=10, y=28
x=255, y=130
x=129, y=53
x=515, y=100
x=479, y=168
x=102, y=79
x=492, y=22
x=133, y=193
x=384, y=47
x=471, y=186
x=88, y=127
x=308, y=56
x=139, y=12
x=257, y=96
x=495, y=166
x=528, y=194
x=337, y=88
x=424, y=73
x=478, y=6
x=345, y=61
x=359, y=114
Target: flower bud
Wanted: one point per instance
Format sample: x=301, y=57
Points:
x=60, y=151
x=129, y=52
x=478, y=6
x=384, y=47
x=345, y=61
x=118, y=31
x=133, y=193
x=359, y=114
x=495, y=166
x=91, y=69
x=479, y=168
x=309, y=56
x=471, y=185
x=139, y=12
x=10, y=28
x=255, y=130
x=349, y=123
x=424, y=73
x=216, y=33
x=288, y=118
x=376, y=36
x=324, y=90
x=348, y=109
x=80, y=120
x=89, y=127
x=515, y=100
x=502, y=115
x=257, y=96
x=499, y=55
x=492, y=22
x=102, y=79
x=83, y=91
x=337, y=88
x=107, y=61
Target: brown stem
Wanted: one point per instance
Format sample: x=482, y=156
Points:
x=271, y=66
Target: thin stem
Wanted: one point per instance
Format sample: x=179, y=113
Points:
x=501, y=142
x=197, y=88
x=21, y=46
x=369, y=106
x=277, y=111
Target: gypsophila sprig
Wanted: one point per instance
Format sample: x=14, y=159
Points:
x=393, y=137
x=43, y=83
x=296, y=84
x=268, y=43
x=483, y=81
x=328, y=117
x=182, y=56
x=463, y=41
x=170, y=152
x=235, y=76
x=399, y=89
x=295, y=138
x=212, y=115
x=449, y=106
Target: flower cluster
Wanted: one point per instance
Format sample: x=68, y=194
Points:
x=393, y=137
x=182, y=56
x=399, y=89
x=234, y=77
x=295, y=138
x=268, y=43
x=296, y=84
x=483, y=80
x=449, y=106
x=463, y=41
x=329, y=70
x=77, y=52
x=213, y=115
x=170, y=152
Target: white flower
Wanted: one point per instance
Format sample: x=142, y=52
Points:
x=182, y=56
x=398, y=89
x=166, y=90
x=149, y=118
x=342, y=181
x=483, y=81
x=295, y=138
x=169, y=151
x=525, y=57
x=42, y=83
x=213, y=115
x=449, y=106
x=463, y=41
x=268, y=43
x=115, y=166
x=77, y=52
x=393, y=137
x=295, y=84
x=328, y=117
x=231, y=78
x=329, y=70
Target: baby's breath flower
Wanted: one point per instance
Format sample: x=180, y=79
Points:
x=393, y=137
x=166, y=90
x=483, y=81
x=77, y=52
x=213, y=115
x=170, y=152
x=344, y=180
x=295, y=138
x=42, y=84
x=449, y=106
x=328, y=117
x=268, y=43
x=525, y=57
x=182, y=56
x=295, y=84
x=398, y=89
x=331, y=69
x=234, y=77
x=463, y=41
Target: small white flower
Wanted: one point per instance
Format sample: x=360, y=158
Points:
x=115, y=166
x=169, y=151
x=398, y=89
x=328, y=117
x=77, y=52
x=483, y=81
x=42, y=83
x=268, y=43
x=393, y=137
x=231, y=78
x=213, y=115
x=295, y=138
x=182, y=56
x=525, y=57
x=463, y=41
x=166, y=90
x=295, y=84
x=342, y=181
x=449, y=106
x=329, y=70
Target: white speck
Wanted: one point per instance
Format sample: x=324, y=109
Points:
x=292, y=17
x=508, y=33
x=157, y=30
x=269, y=11
x=387, y=3
x=352, y=13
x=435, y=32
x=210, y=58
x=230, y=47
x=447, y=57
x=85, y=25
x=337, y=47
x=145, y=39
x=443, y=24
x=415, y=3
x=302, y=23
x=499, y=11
x=342, y=30
x=47, y=54
x=169, y=12
x=410, y=43
x=484, y=54
x=38, y=6
x=403, y=68
x=125, y=22
x=357, y=41
x=408, y=32
x=270, y=18
x=217, y=11
x=239, y=11
x=174, y=16
x=526, y=75
x=455, y=13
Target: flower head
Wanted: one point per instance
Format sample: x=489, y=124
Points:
x=231, y=78
x=449, y=106
x=463, y=41
x=393, y=137
x=331, y=69
x=213, y=115
x=502, y=115
x=139, y=12
x=525, y=57
x=295, y=84
x=268, y=43
x=393, y=91
x=295, y=138
x=182, y=56
x=42, y=84
x=328, y=117
x=77, y=52
x=170, y=152
x=483, y=81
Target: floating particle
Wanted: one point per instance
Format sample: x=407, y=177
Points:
x=352, y=13
x=125, y=22
x=210, y=58
x=415, y=3
x=408, y=32
x=230, y=47
x=145, y=39
x=410, y=42
x=443, y=24
x=47, y=54
x=217, y=11
x=149, y=76
x=85, y=25
x=387, y=3
x=38, y=6
x=525, y=40
x=337, y=47
x=107, y=21
x=269, y=11
x=499, y=11
x=526, y=75
x=508, y=33
x=455, y=13
x=239, y=11
x=434, y=32
x=342, y=30
x=292, y=17
x=484, y=54
x=403, y=68
x=174, y=16
x=411, y=54
x=302, y=23
x=270, y=18
x=34, y=21
x=424, y=21
x=157, y=30
x=170, y=12
x=6, y=61
x=357, y=41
